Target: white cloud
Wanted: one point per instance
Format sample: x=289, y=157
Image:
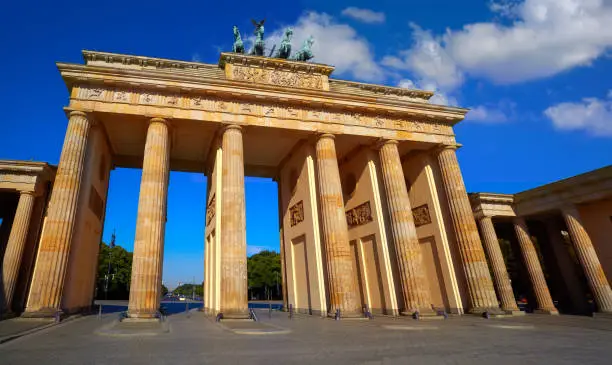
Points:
x=335, y=44
x=591, y=115
x=484, y=114
x=548, y=37
x=364, y=15
x=252, y=250
x=539, y=39
x=427, y=60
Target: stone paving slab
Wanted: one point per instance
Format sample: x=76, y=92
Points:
x=134, y=329
x=196, y=339
x=15, y=327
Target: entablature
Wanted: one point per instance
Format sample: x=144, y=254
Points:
x=25, y=175
x=492, y=205
x=165, y=84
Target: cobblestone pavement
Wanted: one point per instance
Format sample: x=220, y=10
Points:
x=195, y=339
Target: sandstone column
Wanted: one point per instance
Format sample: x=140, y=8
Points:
x=15, y=246
x=145, y=288
x=496, y=259
x=588, y=260
x=342, y=279
x=54, y=249
x=415, y=290
x=480, y=286
x=534, y=268
x=568, y=269
x=234, y=284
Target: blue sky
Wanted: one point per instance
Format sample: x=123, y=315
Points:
x=537, y=75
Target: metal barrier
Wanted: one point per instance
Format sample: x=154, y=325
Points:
x=442, y=313
x=253, y=315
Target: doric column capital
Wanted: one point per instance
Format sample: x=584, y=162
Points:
x=380, y=143
x=160, y=120
x=74, y=113
x=446, y=147
x=82, y=114
x=231, y=126
x=519, y=221
x=569, y=209
x=29, y=192
x=326, y=135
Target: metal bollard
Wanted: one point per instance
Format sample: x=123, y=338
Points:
x=366, y=312
x=270, y=311
x=290, y=311
x=57, y=317
x=416, y=315
x=99, y=311
x=337, y=317
x=486, y=315
x=219, y=317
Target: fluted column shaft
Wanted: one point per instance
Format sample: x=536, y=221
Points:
x=15, y=247
x=480, y=286
x=496, y=259
x=587, y=256
x=534, y=268
x=415, y=290
x=145, y=288
x=342, y=278
x=54, y=248
x=234, y=284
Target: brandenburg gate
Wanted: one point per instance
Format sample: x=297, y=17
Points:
x=373, y=209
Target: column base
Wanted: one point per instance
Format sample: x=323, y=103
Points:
x=145, y=315
x=424, y=313
x=492, y=311
x=515, y=313
x=552, y=312
x=347, y=315
x=141, y=320
x=45, y=313
x=602, y=315
x=8, y=315
x=236, y=314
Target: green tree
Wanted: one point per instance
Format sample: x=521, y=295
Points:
x=164, y=290
x=113, y=283
x=264, y=274
x=187, y=290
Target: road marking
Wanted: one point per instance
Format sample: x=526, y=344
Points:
x=409, y=328
x=512, y=327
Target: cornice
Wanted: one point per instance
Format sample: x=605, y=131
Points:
x=388, y=90
x=141, y=61
x=566, y=185
x=145, y=78
x=274, y=64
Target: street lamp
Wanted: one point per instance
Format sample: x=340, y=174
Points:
x=110, y=258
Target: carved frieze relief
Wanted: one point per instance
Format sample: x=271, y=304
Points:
x=296, y=213
x=421, y=215
x=300, y=113
x=359, y=215
x=276, y=77
x=210, y=210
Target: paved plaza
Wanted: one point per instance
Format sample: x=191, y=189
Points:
x=195, y=339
